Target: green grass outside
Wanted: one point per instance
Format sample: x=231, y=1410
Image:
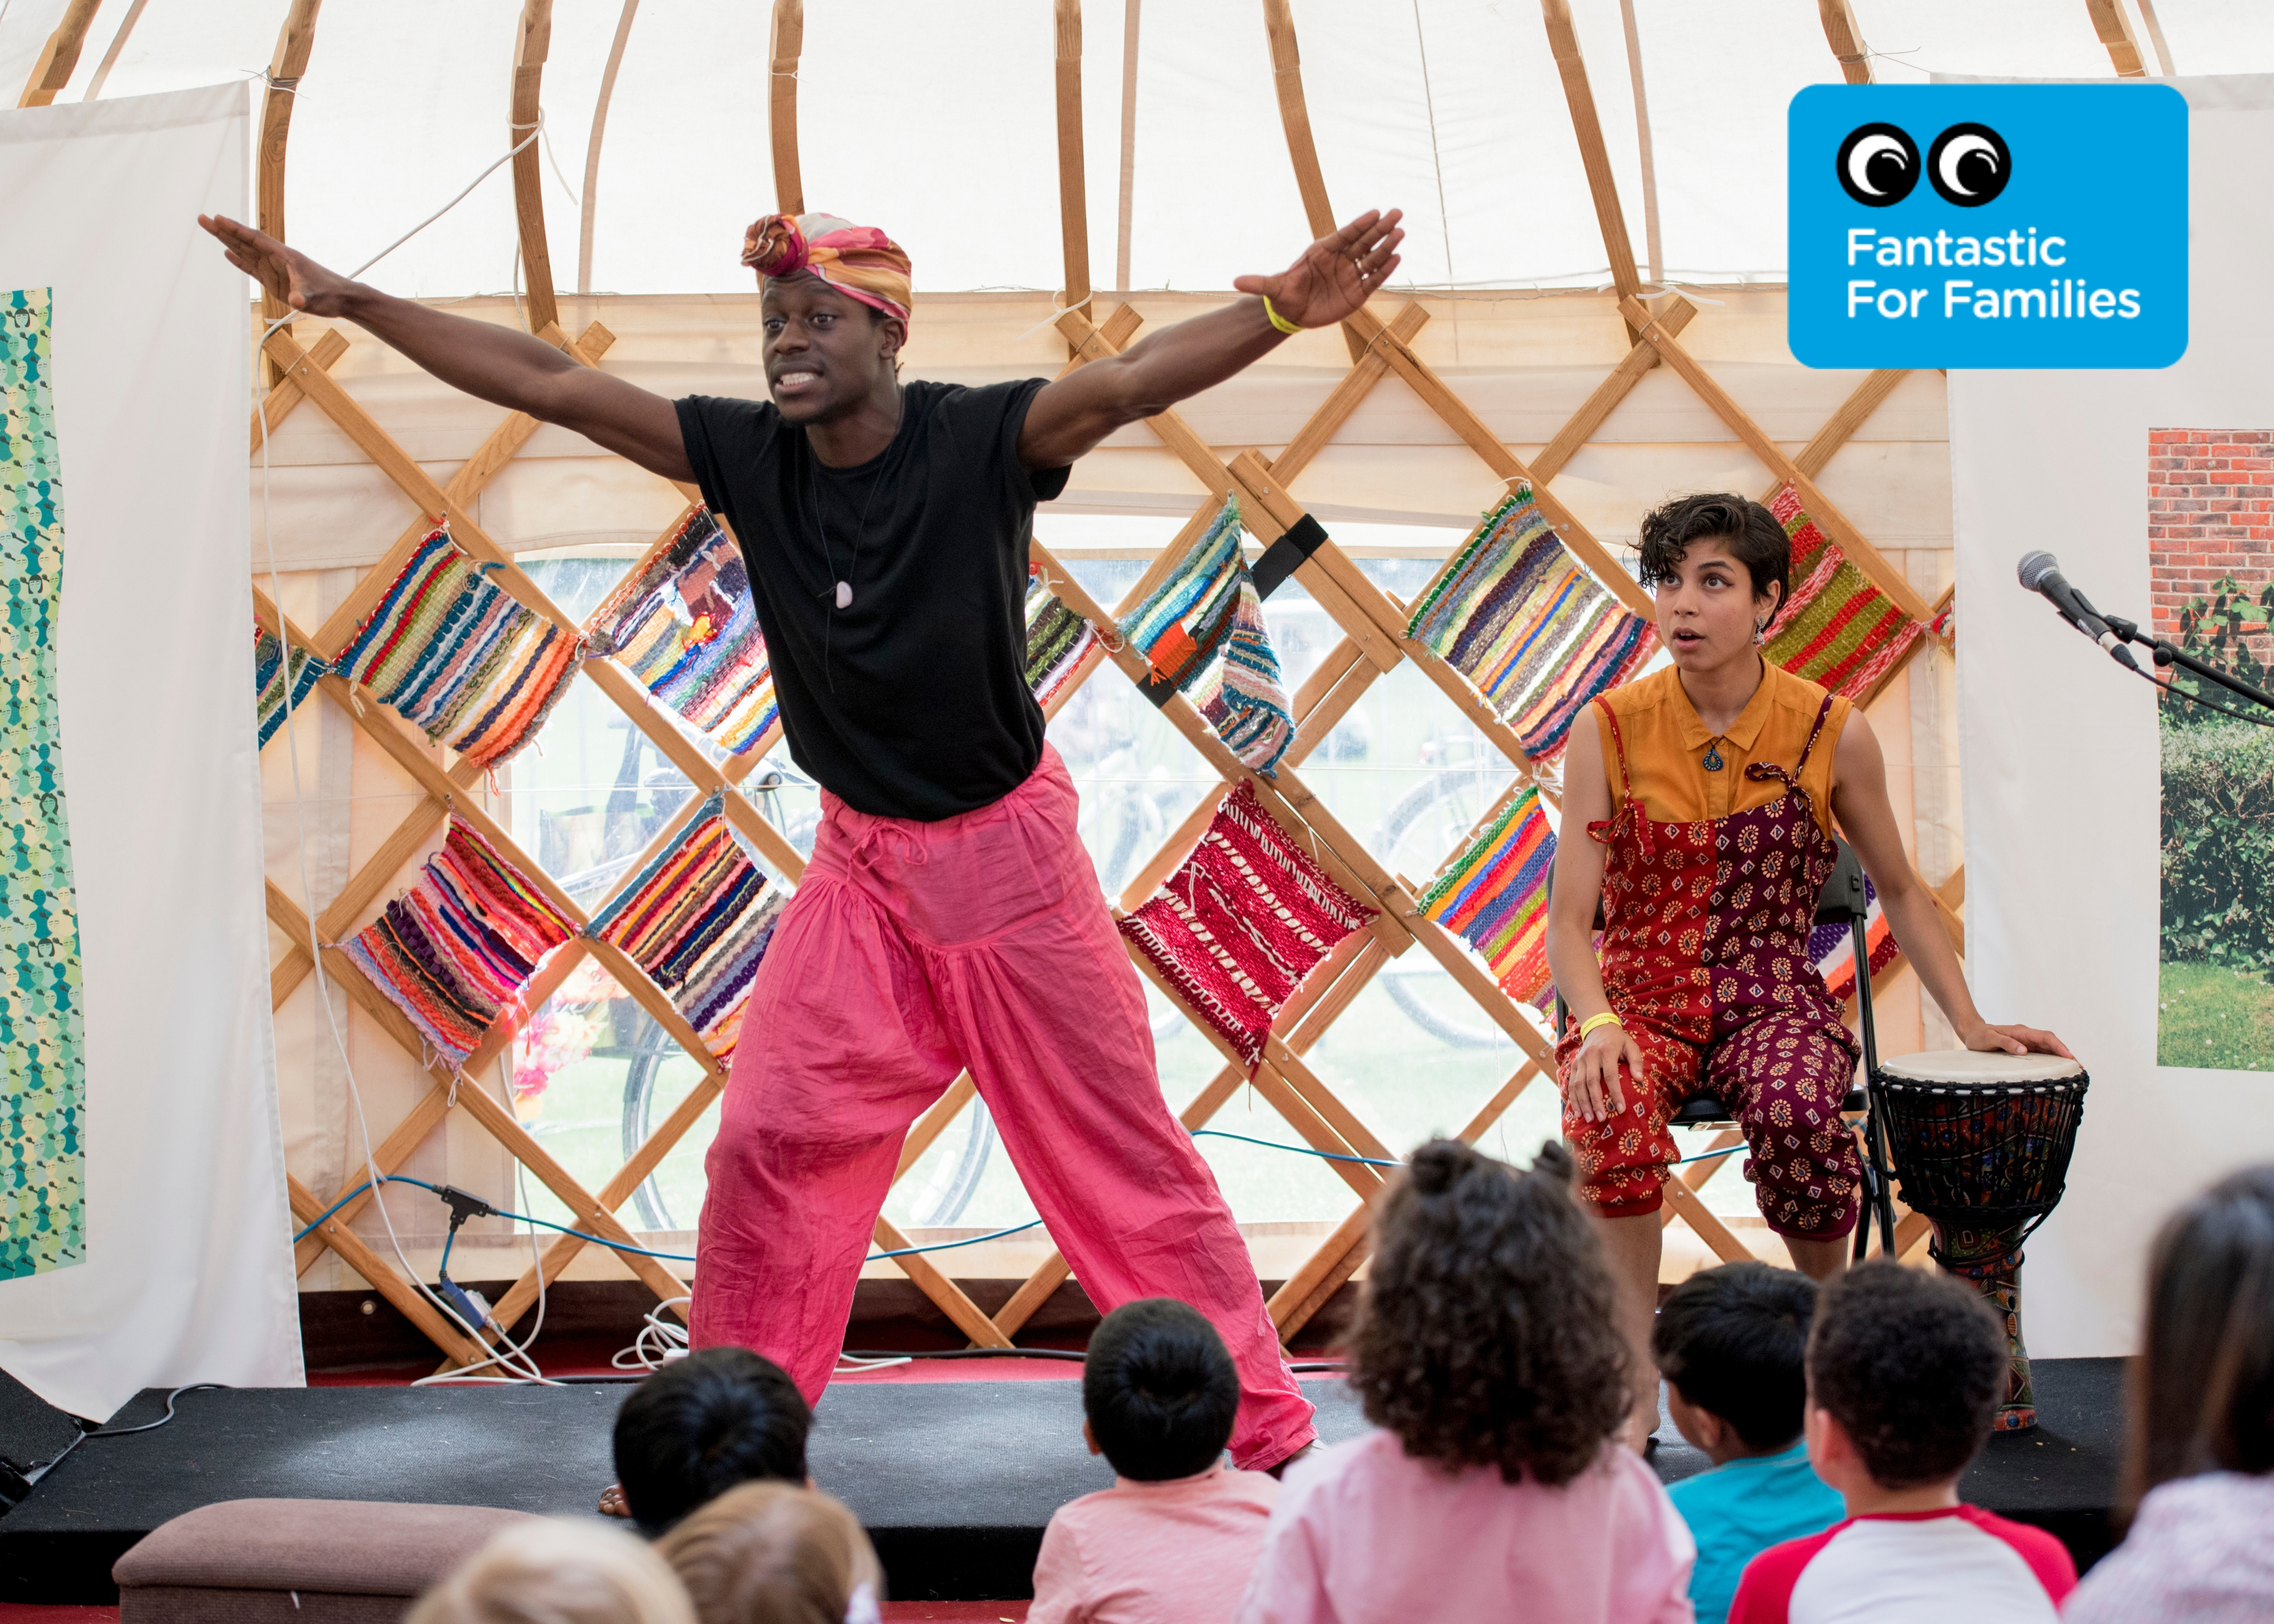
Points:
x=2214, y=1018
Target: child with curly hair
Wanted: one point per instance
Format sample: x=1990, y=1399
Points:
x=1489, y=1358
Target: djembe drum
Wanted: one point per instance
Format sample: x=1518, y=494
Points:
x=1981, y=1144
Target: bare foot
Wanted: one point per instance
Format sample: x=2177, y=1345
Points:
x=612, y=1501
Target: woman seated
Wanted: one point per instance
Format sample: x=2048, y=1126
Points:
x=1709, y=791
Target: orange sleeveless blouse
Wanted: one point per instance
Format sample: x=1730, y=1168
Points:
x=1665, y=744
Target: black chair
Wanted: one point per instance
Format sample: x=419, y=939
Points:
x=1843, y=901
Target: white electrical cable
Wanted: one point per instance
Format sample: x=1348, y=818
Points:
x=660, y=1341
x=513, y=1356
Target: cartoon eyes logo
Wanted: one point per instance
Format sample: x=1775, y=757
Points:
x=1879, y=165
x=1969, y=164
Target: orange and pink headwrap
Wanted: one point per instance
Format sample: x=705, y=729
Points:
x=858, y=261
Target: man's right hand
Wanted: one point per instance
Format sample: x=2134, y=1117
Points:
x=286, y=273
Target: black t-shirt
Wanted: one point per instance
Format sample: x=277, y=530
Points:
x=912, y=701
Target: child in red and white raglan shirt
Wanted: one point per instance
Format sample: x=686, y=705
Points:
x=1905, y=1370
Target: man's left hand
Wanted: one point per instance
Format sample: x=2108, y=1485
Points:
x=1335, y=275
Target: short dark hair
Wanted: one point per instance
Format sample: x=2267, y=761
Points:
x=1488, y=1334
x=701, y=1425
x=1160, y=1390
x=1912, y=1366
x=1733, y=1341
x=1755, y=537
x=2202, y=1392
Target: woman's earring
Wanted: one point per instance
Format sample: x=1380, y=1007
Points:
x=1760, y=631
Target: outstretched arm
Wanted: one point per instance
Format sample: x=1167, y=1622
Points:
x=1332, y=279
x=1859, y=801
x=496, y=364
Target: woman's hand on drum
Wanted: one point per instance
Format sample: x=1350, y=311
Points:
x=1592, y=1085
x=2016, y=1040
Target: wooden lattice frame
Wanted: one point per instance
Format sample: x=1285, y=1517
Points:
x=1374, y=642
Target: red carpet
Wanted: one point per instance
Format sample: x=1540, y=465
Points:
x=895, y=1613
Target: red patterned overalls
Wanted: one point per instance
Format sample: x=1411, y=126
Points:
x=1705, y=956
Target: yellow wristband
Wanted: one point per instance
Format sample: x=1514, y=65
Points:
x=1608, y=1017
x=1278, y=321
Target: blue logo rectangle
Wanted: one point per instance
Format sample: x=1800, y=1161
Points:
x=1988, y=226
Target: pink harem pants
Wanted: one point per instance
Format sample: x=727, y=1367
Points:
x=911, y=952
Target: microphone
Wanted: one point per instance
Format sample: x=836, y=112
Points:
x=2040, y=572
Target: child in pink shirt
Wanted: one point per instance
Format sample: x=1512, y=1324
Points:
x=1174, y=1539
x=1488, y=1356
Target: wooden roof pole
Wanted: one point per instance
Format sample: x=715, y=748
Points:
x=593, y=145
x=781, y=105
x=1073, y=197
x=532, y=41
x=53, y=70
x=1846, y=38
x=2115, y=31
x=1295, y=117
x=116, y=49
x=295, y=42
x=1571, y=67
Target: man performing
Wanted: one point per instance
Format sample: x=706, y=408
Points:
x=1708, y=792
x=950, y=917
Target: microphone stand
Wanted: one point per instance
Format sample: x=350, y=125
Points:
x=2167, y=653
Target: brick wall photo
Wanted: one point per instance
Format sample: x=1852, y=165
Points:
x=2210, y=514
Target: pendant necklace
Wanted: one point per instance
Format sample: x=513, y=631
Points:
x=842, y=597
x=1713, y=762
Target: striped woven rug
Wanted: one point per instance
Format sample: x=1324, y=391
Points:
x=687, y=627
x=1494, y=895
x=1203, y=631
x=456, y=950
x=1841, y=631
x=1237, y=929
x=1533, y=633
x=1057, y=640
x=268, y=679
x=699, y=919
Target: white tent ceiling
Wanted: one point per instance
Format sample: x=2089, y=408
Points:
x=934, y=118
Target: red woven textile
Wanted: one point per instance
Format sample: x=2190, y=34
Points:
x=1238, y=928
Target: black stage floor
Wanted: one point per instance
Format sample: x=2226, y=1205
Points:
x=953, y=1479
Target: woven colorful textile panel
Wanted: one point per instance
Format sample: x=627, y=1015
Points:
x=1533, y=633
x=42, y=1031
x=1494, y=896
x=458, y=656
x=268, y=679
x=699, y=919
x=687, y=627
x=1237, y=929
x=1841, y=631
x=1201, y=629
x=456, y=950
x=1057, y=640
x=1832, y=948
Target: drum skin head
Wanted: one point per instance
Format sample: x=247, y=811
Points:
x=1974, y=1065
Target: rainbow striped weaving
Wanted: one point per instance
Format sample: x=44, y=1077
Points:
x=1533, y=633
x=1238, y=927
x=699, y=919
x=458, y=656
x=1832, y=948
x=1841, y=631
x=1204, y=626
x=1057, y=640
x=268, y=679
x=687, y=627
x=456, y=950
x=1494, y=896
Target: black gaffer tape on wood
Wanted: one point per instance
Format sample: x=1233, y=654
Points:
x=1283, y=556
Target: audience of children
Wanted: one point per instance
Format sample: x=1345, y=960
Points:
x=1175, y=1538
x=553, y=1571
x=1905, y=1371
x=701, y=1425
x=770, y=1553
x=1489, y=1360
x=2201, y=1467
x=1731, y=1344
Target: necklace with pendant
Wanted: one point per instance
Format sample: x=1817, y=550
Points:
x=1713, y=762
x=843, y=596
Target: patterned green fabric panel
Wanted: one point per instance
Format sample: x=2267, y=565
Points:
x=42, y=1041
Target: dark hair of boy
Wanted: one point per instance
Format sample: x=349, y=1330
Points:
x=1159, y=1389
x=1755, y=537
x=704, y=1424
x=1487, y=1332
x=1733, y=1341
x=2202, y=1388
x=1912, y=1366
